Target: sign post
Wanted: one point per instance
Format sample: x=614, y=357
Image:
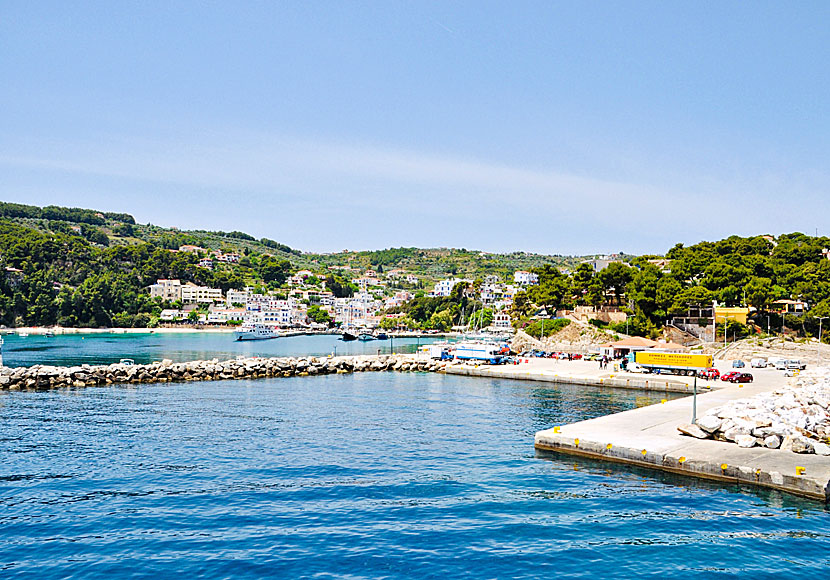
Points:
x=683, y=364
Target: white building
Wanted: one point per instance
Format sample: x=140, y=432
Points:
x=200, y=294
x=444, y=287
x=501, y=320
x=170, y=290
x=412, y=278
x=523, y=278
x=225, y=315
x=237, y=296
x=171, y=315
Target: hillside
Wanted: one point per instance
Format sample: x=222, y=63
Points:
x=430, y=264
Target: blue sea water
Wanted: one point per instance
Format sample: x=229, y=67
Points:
x=372, y=475
x=145, y=347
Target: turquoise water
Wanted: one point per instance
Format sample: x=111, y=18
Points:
x=144, y=348
x=373, y=475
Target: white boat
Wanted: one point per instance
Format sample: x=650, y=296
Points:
x=484, y=351
x=22, y=334
x=256, y=331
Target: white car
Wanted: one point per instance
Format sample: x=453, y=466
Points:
x=636, y=368
x=758, y=363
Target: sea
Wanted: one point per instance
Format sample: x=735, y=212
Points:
x=369, y=475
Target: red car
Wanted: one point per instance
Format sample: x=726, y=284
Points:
x=728, y=376
x=740, y=378
x=711, y=374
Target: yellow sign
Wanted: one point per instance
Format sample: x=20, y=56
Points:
x=674, y=360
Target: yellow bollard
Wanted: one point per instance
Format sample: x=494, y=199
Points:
x=576, y=442
x=557, y=429
x=682, y=460
x=608, y=447
x=800, y=470
x=644, y=452
x=663, y=401
x=723, y=466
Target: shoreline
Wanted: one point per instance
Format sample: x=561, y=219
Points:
x=62, y=330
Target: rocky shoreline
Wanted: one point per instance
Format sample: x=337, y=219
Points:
x=794, y=418
x=45, y=377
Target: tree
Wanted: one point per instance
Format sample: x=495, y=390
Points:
x=318, y=315
x=273, y=270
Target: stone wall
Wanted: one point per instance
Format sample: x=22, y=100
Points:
x=43, y=377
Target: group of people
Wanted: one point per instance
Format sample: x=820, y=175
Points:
x=603, y=362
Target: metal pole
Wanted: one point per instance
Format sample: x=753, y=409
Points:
x=694, y=401
x=818, y=347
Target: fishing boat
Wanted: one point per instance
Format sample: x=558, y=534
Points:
x=22, y=334
x=347, y=336
x=256, y=331
x=382, y=336
x=365, y=336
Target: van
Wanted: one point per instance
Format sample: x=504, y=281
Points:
x=781, y=365
x=796, y=364
x=758, y=363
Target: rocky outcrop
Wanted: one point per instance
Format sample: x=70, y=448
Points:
x=43, y=377
x=794, y=418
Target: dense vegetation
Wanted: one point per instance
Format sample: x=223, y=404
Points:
x=82, y=267
x=71, y=281
x=735, y=271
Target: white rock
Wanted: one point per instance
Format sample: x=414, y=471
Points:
x=772, y=441
x=745, y=441
x=709, y=423
x=821, y=448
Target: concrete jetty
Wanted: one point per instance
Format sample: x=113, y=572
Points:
x=648, y=437
x=585, y=373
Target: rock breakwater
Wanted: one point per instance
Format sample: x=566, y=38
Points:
x=795, y=417
x=44, y=377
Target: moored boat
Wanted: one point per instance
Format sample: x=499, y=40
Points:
x=256, y=331
x=365, y=336
x=347, y=336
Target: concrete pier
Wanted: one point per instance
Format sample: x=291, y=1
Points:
x=583, y=373
x=648, y=437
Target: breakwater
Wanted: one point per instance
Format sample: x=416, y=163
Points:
x=43, y=377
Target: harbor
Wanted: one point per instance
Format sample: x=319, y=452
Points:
x=648, y=437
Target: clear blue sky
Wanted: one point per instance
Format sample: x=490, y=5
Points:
x=562, y=127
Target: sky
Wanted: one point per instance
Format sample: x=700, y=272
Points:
x=551, y=127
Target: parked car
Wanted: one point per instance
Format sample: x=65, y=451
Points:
x=791, y=372
x=728, y=376
x=740, y=378
x=758, y=363
x=781, y=365
x=711, y=374
x=636, y=368
x=796, y=365
x=738, y=364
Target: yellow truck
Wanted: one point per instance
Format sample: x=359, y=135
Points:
x=673, y=363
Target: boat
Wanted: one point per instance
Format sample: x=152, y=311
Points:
x=365, y=336
x=127, y=362
x=382, y=336
x=256, y=331
x=22, y=334
x=490, y=352
x=347, y=336
x=48, y=333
